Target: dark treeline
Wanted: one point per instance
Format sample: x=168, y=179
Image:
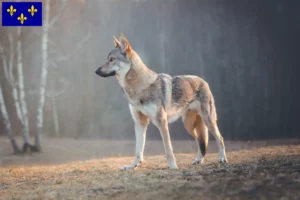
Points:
x=247, y=50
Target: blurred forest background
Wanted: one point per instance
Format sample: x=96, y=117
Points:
x=247, y=50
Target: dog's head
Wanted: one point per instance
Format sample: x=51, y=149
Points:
x=118, y=60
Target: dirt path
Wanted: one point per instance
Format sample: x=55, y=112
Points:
x=270, y=172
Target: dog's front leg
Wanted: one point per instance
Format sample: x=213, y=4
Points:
x=140, y=127
x=161, y=122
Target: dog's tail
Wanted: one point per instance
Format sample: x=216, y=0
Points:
x=202, y=134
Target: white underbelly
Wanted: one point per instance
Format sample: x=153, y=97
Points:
x=173, y=114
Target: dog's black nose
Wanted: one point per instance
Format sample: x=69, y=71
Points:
x=102, y=74
x=98, y=71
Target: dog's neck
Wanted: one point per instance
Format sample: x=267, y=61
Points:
x=138, y=78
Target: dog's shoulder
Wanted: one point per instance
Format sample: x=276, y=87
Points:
x=163, y=75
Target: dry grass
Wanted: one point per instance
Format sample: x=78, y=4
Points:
x=267, y=173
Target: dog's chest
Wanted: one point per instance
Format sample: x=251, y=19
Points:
x=134, y=100
x=149, y=110
x=142, y=98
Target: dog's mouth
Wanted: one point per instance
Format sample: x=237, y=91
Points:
x=100, y=73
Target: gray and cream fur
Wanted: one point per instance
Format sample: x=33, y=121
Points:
x=163, y=99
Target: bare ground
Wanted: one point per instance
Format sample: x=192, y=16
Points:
x=81, y=169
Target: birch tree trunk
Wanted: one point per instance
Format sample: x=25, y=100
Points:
x=21, y=88
x=8, y=72
x=44, y=47
x=11, y=79
x=7, y=123
x=55, y=116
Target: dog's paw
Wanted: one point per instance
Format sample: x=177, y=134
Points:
x=128, y=167
x=197, y=161
x=223, y=160
x=173, y=166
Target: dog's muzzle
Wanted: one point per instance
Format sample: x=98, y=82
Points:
x=100, y=73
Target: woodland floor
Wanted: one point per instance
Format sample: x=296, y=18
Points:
x=81, y=169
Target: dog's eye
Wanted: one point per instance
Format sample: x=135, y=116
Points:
x=111, y=59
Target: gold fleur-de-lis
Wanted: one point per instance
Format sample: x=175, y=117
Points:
x=11, y=10
x=22, y=18
x=32, y=10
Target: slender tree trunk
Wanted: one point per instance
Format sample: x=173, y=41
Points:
x=8, y=72
x=17, y=104
x=55, y=116
x=162, y=43
x=7, y=123
x=21, y=88
x=44, y=47
x=10, y=78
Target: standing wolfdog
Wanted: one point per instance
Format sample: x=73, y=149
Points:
x=162, y=99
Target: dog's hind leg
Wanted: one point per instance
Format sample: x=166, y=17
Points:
x=197, y=129
x=209, y=116
x=140, y=127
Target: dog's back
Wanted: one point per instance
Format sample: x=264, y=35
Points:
x=180, y=93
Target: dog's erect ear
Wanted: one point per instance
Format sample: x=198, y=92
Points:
x=117, y=43
x=124, y=44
